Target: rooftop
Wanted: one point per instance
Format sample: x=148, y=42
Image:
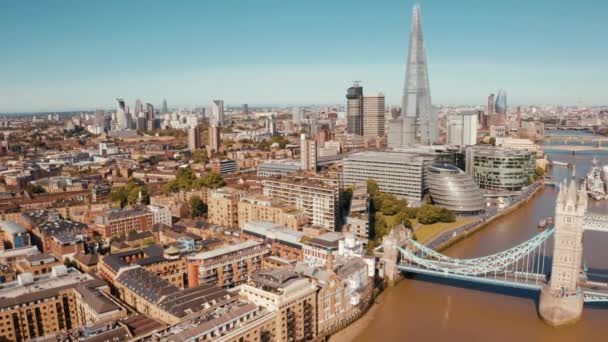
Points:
x=226, y=250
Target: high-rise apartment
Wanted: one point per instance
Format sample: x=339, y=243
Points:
x=373, y=115
x=194, y=138
x=317, y=197
x=214, y=135
x=354, y=109
x=308, y=153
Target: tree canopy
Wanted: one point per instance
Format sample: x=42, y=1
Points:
x=186, y=180
x=129, y=194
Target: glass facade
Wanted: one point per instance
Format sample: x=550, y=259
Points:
x=501, y=169
x=453, y=189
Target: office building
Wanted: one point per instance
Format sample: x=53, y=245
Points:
x=149, y=111
x=308, y=153
x=453, y=189
x=277, y=167
x=223, y=166
x=217, y=111
x=214, y=138
x=500, y=105
x=398, y=173
x=164, y=109
x=500, y=169
x=223, y=207
x=226, y=266
x=122, y=121
x=516, y=144
x=418, y=121
x=491, y=104
x=317, y=197
x=462, y=129
x=354, y=109
x=138, y=108
x=373, y=115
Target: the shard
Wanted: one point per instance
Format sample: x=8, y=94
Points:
x=418, y=122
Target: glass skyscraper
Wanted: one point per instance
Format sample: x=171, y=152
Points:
x=500, y=105
x=354, y=109
x=418, y=121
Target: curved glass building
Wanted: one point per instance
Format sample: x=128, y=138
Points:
x=453, y=189
x=500, y=106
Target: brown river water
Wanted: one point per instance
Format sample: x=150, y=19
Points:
x=431, y=309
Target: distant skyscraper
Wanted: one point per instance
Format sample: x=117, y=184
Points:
x=354, y=109
x=272, y=125
x=297, y=115
x=500, y=106
x=138, y=108
x=373, y=115
x=165, y=109
x=121, y=115
x=213, y=145
x=418, y=119
x=217, y=111
x=308, y=153
x=194, y=138
x=490, y=104
x=462, y=129
x=245, y=109
x=149, y=112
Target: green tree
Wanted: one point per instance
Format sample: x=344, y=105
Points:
x=34, y=189
x=129, y=194
x=539, y=172
x=197, y=207
x=212, y=180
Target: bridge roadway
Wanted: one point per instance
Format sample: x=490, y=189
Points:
x=594, y=292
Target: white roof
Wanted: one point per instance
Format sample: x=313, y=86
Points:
x=225, y=250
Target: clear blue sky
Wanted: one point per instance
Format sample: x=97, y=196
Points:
x=62, y=55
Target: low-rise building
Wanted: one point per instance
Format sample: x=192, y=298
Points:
x=285, y=243
x=14, y=234
x=263, y=208
x=223, y=207
x=291, y=296
x=226, y=266
x=157, y=298
x=38, y=264
x=119, y=222
x=62, y=300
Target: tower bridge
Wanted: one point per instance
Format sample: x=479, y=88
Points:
x=561, y=280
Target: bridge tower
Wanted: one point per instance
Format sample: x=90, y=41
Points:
x=561, y=302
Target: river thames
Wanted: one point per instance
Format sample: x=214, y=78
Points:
x=431, y=309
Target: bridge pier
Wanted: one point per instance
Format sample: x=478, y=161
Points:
x=557, y=310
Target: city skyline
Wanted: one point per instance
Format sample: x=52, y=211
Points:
x=48, y=66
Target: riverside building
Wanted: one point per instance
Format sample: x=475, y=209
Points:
x=399, y=173
x=500, y=169
x=453, y=189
